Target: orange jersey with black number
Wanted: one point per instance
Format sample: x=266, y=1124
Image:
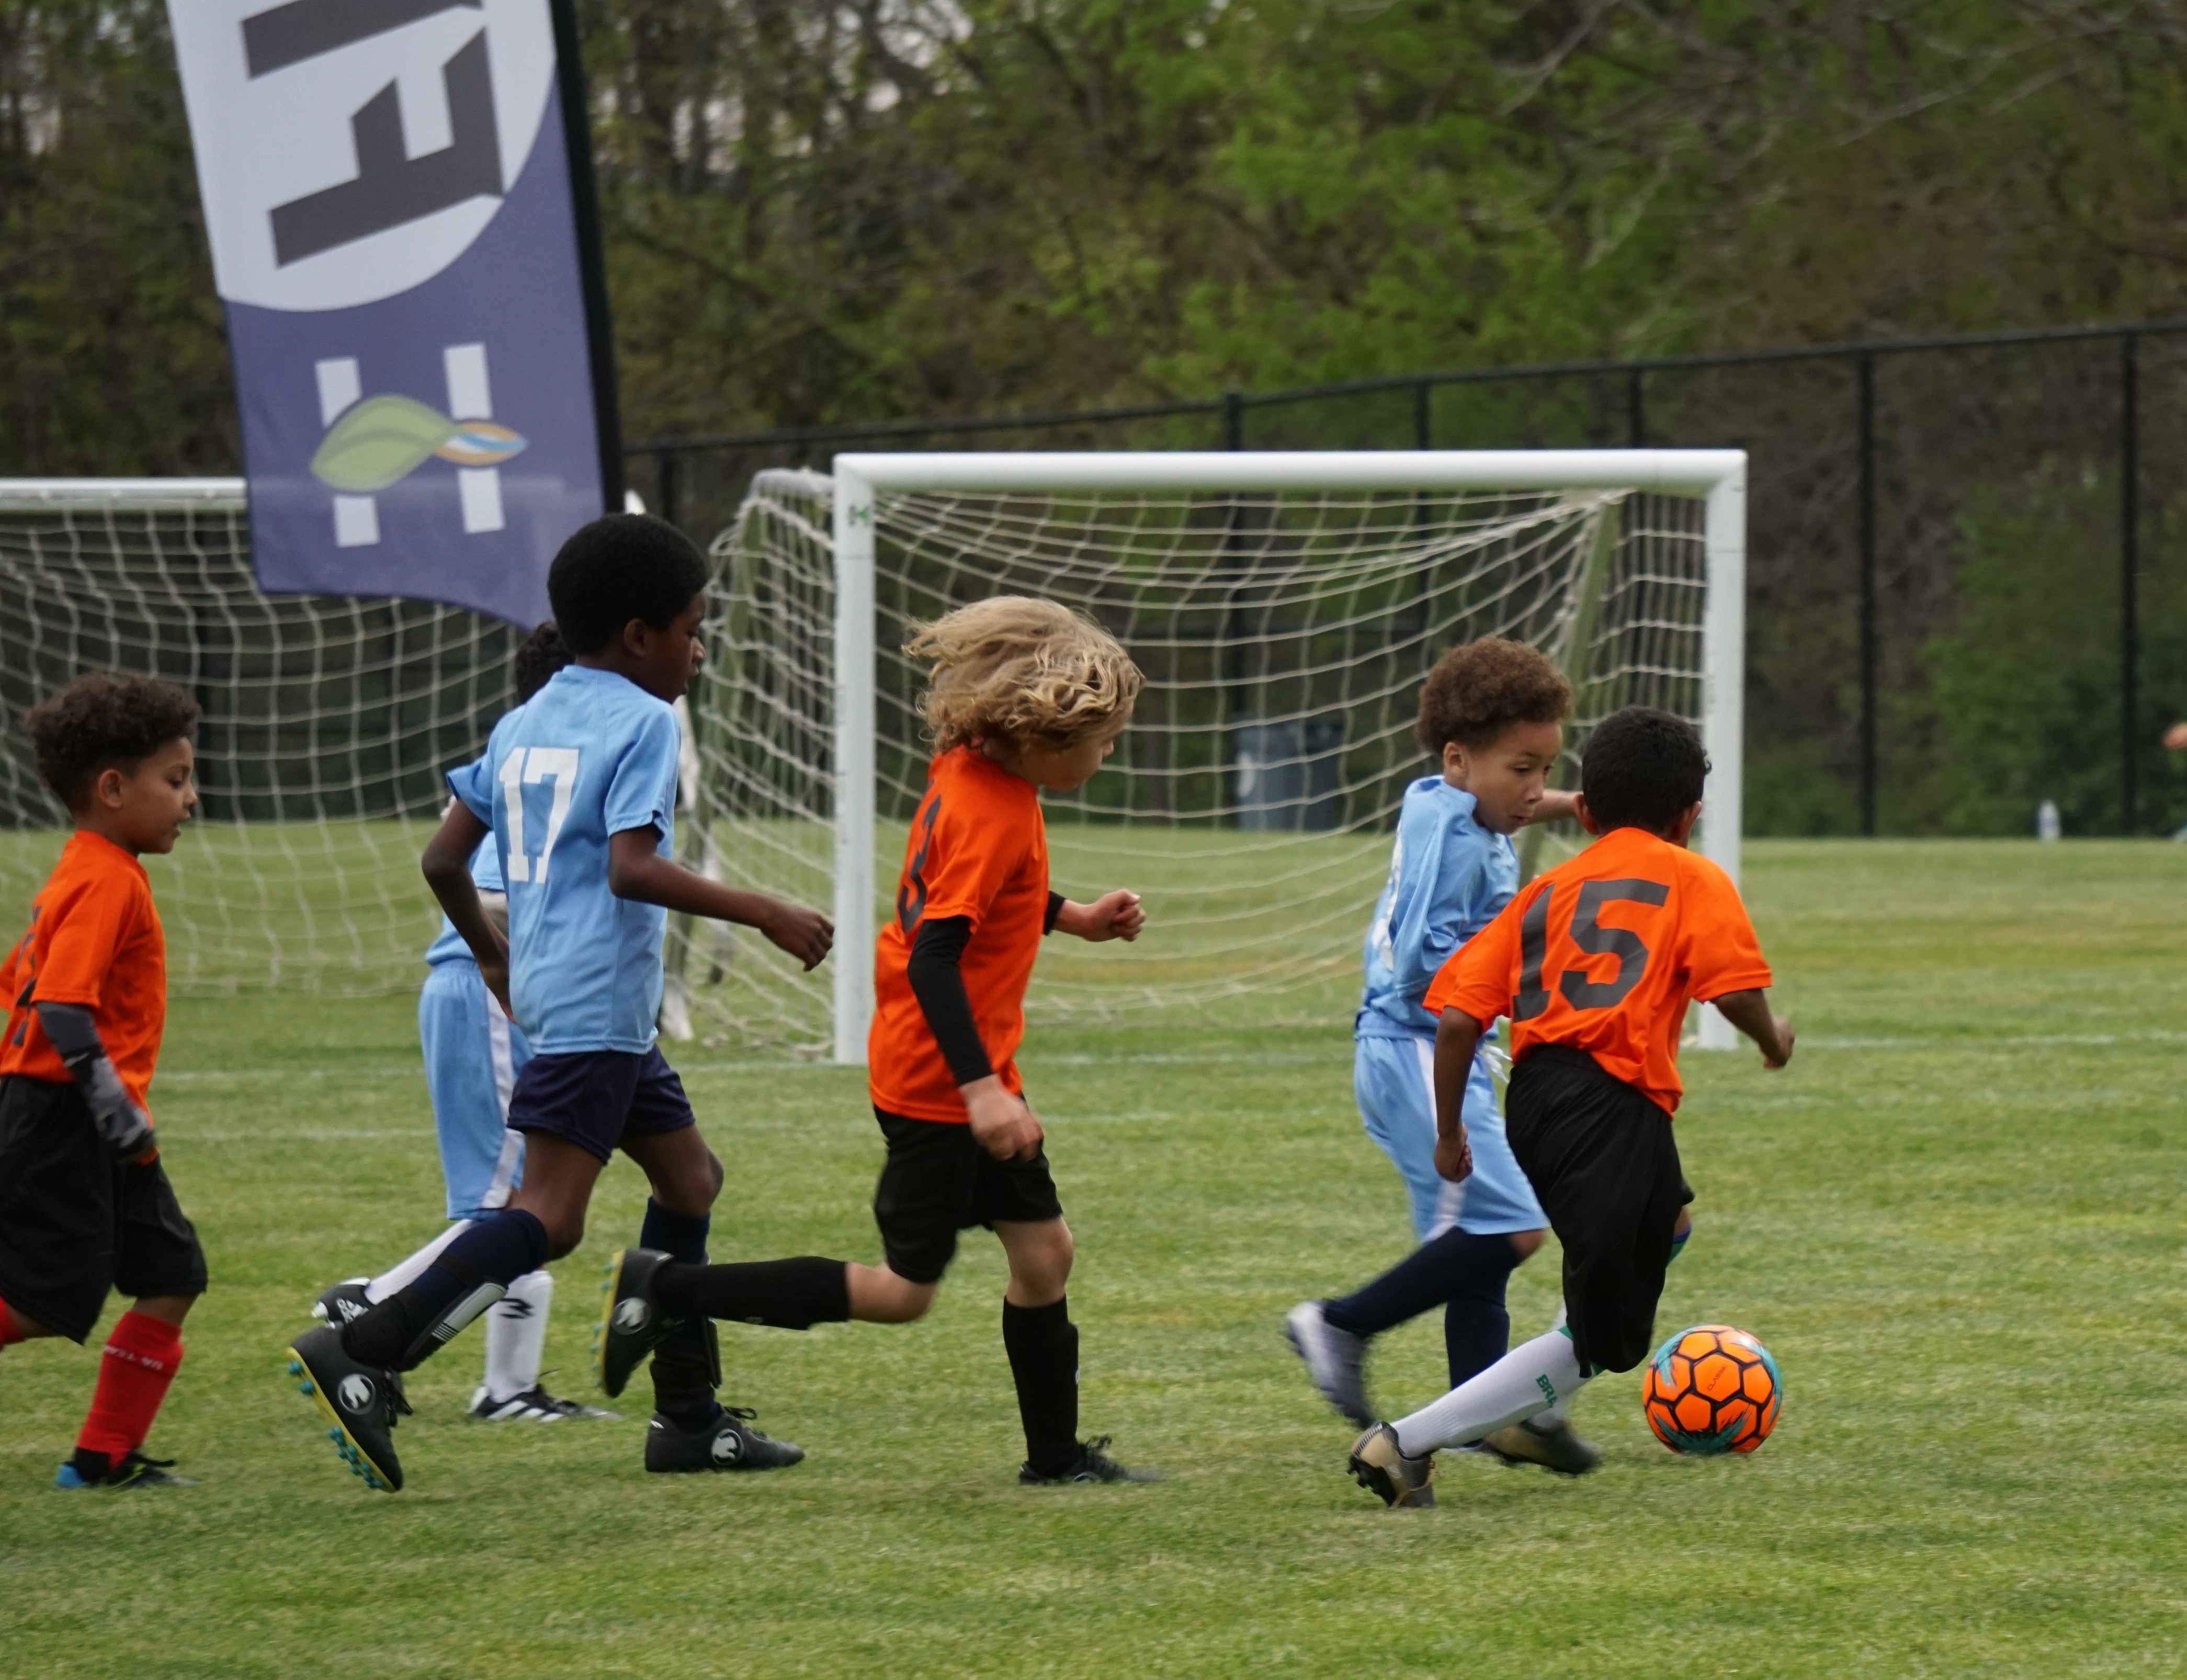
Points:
x=95, y=940
x=1603, y=954
x=978, y=848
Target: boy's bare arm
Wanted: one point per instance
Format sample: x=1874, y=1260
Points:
x=1114, y=915
x=1750, y=1012
x=638, y=871
x=1458, y=1034
x=447, y=870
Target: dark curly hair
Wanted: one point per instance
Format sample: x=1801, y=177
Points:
x=100, y=722
x=1479, y=689
x=618, y=568
x=1642, y=769
x=538, y=657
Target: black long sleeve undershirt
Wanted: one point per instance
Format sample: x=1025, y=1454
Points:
x=938, y=981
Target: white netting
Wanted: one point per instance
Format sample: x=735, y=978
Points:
x=1283, y=640
x=328, y=725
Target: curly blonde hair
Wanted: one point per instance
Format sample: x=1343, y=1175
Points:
x=1016, y=669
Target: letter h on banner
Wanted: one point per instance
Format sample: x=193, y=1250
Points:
x=470, y=397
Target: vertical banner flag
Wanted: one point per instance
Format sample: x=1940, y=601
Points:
x=413, y=304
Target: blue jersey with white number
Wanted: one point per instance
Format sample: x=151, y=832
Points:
x=448, y=946
x=590, y=755
x=1448, y=879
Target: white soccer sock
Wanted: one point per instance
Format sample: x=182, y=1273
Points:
x=1528, y=1380
x=516, y=1335
x=405, y=1271
x=1550, y=1416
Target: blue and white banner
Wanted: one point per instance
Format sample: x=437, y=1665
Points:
x=387, y=188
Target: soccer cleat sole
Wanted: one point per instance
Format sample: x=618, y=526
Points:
x=359, y=1460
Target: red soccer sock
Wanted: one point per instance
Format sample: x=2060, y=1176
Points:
x=10, y=1332
x=142, y=1354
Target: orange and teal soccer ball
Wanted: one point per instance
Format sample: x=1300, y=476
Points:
x=1711, y=1390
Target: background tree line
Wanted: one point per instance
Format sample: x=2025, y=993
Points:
x=888, y=208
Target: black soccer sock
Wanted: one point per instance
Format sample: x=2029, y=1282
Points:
x=788, y=1294
x=1043, y=1343
x=465, y=1278
x=684, y=1366
x=1476, y=1327
x=1440, y=1270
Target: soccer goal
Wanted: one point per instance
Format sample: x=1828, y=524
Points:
x=328, y=724
x=1285, y=609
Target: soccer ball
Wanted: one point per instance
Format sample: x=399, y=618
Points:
x=1711, y=1390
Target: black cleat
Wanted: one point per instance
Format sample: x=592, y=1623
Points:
x=534, y=1406
x=728, y=1443
x=1092, y=1463
x=1552, y=1445
x=343, y=1304
x=360, y=1404
x=136, y=1470
x=631, y=1323
x=1383, y=1470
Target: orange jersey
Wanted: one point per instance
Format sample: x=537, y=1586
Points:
x=978, y=848
x=95, y=940
x=1603, y=954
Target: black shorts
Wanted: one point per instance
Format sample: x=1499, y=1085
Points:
x=938, y=1182
x=1601, y=1157
x=74, y=1222
x=598, y=1098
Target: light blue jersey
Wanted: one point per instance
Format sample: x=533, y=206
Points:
x=1449, y=877
x=473, y=1054
x=590, y=756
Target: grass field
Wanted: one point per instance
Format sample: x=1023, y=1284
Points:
x=1956, y=1219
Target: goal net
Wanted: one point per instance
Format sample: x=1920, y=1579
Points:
x=328, y=724
x=1284, y=610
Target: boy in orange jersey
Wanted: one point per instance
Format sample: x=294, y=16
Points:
x=1595, y=963
x=85, y=1205
x=1024, y=695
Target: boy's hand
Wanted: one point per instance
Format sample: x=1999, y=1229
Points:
x=2175, y=739
x=1454, y=1156
x=1114, y=915
x=1783, y=1047
x=1555, y=806
x=1003, y=1124
x=806, y=934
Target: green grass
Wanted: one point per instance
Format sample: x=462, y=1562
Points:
x=1955, y=1220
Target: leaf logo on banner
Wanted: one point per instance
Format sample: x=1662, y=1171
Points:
x=383, y=440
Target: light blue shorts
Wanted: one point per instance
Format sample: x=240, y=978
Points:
x=472, y=1054
x=1394, y=1079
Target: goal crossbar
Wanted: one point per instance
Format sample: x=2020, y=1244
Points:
x=1715, y=477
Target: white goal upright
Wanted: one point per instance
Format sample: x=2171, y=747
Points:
x=1284, y=608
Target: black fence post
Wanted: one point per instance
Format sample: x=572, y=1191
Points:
x=664, y=463
x=1636, y=410
x=1234, y=419
x=1868, y=768
x=1423, y=415
x=2129, y=582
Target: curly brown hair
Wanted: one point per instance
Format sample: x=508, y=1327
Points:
x=1014, y=668
x=100, y=722
x=1479, y=689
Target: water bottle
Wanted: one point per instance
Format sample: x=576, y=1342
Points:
x=2047, y=826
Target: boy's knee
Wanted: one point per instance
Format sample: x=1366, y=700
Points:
x=564, y=1235
x=716, y=1177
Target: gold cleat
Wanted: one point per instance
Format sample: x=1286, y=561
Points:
x=1379, y=1466
x=1553, y=1446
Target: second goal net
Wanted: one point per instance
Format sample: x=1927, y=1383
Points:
x=1285, y=609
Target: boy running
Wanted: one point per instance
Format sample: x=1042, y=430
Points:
x=1024, y=695
x=473, y=1055
x=1595, y=963
x=1491, y=711
x=578, y=788
x=85, y=1205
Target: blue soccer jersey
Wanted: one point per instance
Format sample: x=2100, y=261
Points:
x=590, y=756
x=1448, y=879
x=448, y=946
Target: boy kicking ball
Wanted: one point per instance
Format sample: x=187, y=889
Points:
x=85, y=1205
x=473, y=1054
x=578, y=788
x=1024, y=695
x=1595, y=963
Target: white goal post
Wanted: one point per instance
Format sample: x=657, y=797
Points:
x=1714, y=480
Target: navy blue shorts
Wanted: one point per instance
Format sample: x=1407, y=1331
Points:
x=596, y=1098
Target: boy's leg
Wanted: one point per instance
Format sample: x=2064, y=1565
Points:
x=58, y=1215
x=1041, y=1342
x=159, y=1259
